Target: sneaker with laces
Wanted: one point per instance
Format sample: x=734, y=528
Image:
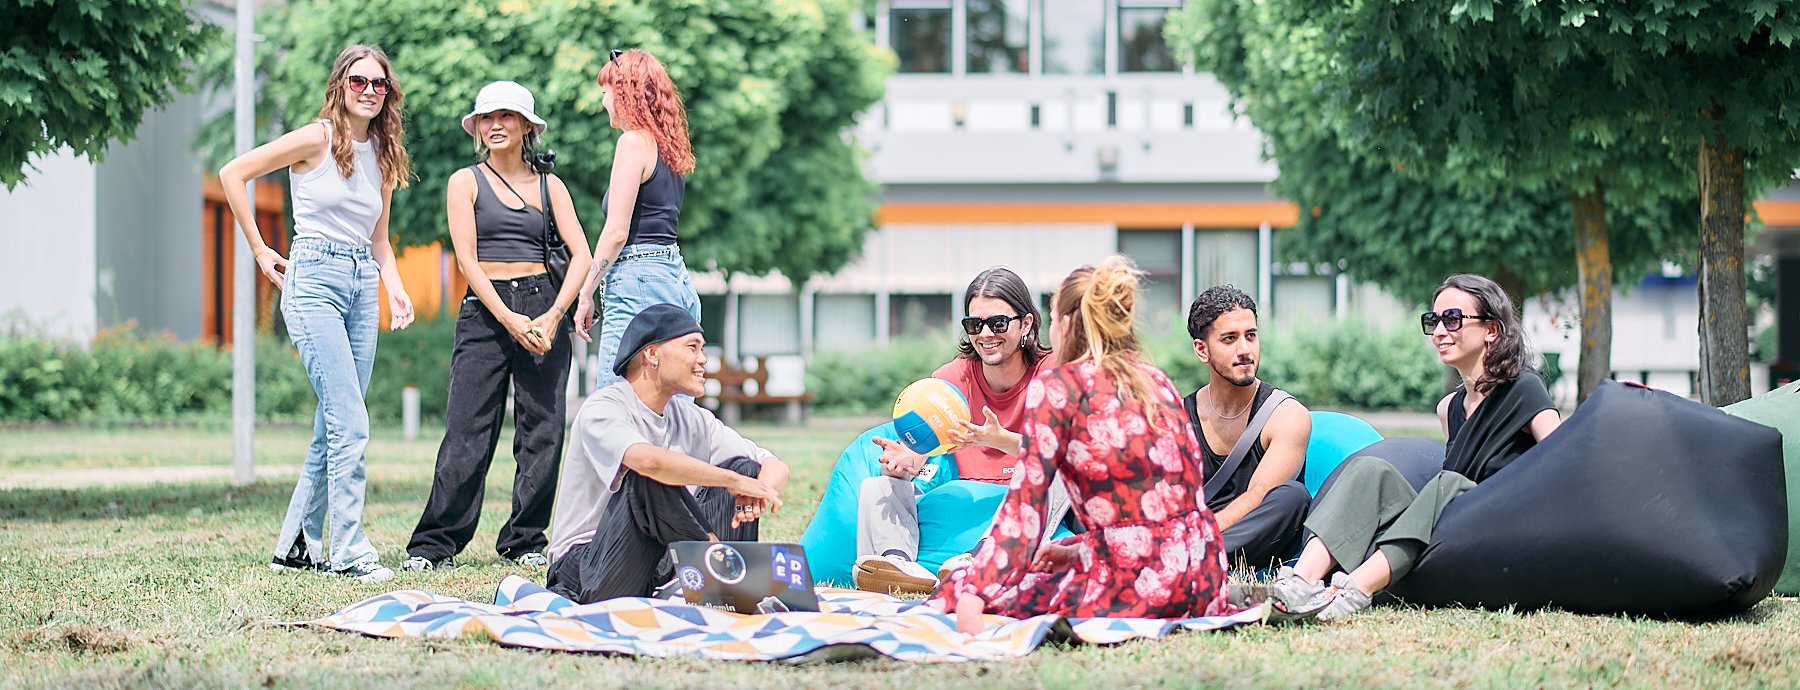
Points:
x=890, y=574
x=1341, y=600
x=532, y=559
x=298, y=563
x=296, y=558
x=1292, y=591
x=419, y=564
x=961, y=560
x=366, y=571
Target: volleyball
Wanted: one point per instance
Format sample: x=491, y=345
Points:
x=925, y=413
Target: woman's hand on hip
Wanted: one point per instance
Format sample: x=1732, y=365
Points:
x=268, y=260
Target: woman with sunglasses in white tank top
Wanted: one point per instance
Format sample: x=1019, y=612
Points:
x=343, y=170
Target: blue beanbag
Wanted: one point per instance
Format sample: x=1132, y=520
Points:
x=1335, y=436
x=953, y=513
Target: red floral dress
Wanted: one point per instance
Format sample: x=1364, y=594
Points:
x=1152, y=549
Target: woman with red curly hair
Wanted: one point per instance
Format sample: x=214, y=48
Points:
x=637, y=252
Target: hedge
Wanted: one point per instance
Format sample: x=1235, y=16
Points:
x=127, y=375
x=1343, y=363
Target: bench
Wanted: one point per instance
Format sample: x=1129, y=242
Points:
x=774, y=380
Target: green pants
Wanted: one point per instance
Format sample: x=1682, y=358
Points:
x=1372, y=506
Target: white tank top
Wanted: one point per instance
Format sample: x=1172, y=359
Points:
x=339, y=209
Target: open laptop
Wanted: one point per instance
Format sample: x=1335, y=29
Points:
x=744, y=576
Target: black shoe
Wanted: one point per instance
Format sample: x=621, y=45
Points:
x=296, y=558
x=303, y=564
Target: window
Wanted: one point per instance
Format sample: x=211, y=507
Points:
x=913, y=315
x=1074, y=36
x=1141, y=45
x=1158, y=254
x=919, y=32
x=997, y=31
x=843, y=321
x=1225, y=256
x=1302, y=299
x=768, y=325
x=712, y=319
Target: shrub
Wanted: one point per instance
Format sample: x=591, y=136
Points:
x=1341, y=363
x=866, y=380
x=127, y=375
x=418, y=356
x=1336, y=364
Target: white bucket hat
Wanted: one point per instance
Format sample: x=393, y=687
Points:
x=503, y=95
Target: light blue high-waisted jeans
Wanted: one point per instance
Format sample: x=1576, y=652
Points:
x=644, y=274
x=330, y=304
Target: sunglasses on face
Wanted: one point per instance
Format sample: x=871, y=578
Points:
x=998, y=324
x=359, y=84
x=1452, y=319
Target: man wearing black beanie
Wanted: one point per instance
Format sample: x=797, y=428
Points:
x=646, y=467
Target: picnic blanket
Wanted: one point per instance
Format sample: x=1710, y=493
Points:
x=849, y=625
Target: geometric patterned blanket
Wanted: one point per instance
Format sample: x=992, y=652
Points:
x=850, y=624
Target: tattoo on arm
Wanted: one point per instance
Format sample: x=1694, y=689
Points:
x=597, y=272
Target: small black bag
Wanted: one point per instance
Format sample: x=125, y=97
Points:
x=556, y=252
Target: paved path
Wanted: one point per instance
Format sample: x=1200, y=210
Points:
x=137, y=476
x=129, y=476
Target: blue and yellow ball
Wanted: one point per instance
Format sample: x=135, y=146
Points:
x=925, y=413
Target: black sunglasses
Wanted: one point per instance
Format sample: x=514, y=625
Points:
x=615, y=57
x=998, y=324
x=360, y=83
x=1452, y=319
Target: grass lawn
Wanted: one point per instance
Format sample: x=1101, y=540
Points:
x=165, y=586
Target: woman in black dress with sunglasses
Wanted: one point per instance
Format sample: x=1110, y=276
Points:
x=1372, y=524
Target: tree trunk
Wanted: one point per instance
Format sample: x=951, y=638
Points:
x=1593, y=258
x=1724, y=319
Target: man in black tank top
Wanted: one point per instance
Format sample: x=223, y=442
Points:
x=1260, y=505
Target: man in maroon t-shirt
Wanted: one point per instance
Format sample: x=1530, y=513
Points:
x=1000, y=353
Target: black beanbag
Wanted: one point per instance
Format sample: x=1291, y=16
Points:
x=1641, y=503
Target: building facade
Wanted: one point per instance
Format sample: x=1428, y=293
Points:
x=1039, y=135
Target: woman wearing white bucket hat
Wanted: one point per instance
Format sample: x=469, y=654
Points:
x=510, y=332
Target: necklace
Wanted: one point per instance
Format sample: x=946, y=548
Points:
x=1222, y=415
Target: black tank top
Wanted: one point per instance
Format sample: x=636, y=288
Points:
x=657, y=211
x=504, y=233
x=1240, y=479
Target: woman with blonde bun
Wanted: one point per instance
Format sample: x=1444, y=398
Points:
x=1110, y=426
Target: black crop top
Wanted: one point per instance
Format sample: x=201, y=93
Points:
x=504, y=233
x=658, y=209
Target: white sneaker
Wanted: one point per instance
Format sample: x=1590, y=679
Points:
x=417, y=564
x=1341, y=602
x=367, y=571
x=891, y=574
x=961, y=560
x=532, y=559
x=1293, y=592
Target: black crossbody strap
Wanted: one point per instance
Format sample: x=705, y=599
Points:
x=1252, y=432
x=551, y=239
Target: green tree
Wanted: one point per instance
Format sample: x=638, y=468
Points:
x=1604, y=76
x=1479, y=105
x=770, y=89
x=81, y=74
